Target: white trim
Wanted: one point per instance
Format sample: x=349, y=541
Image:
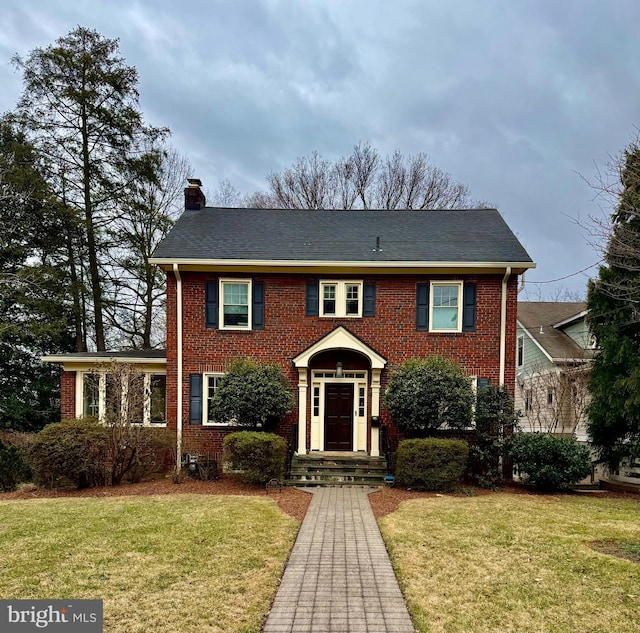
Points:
x=318, y=263
x=445, y=283
x=340, y=338
x=179, y=403
x=359, y=423
x=233, y=280
x=571, y=319
x=96, y=360
x=503, y=323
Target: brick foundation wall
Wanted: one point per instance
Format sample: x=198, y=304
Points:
x=391, y=332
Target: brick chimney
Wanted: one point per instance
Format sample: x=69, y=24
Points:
x=194, y=199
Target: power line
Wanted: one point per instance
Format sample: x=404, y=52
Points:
x=551, y=281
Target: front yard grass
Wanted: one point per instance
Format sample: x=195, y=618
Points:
x=163, y=564
x=511, y=563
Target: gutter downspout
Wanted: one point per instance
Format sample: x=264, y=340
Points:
x=503, y=323
x=176, y=272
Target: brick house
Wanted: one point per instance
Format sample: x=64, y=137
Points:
x=337, y=299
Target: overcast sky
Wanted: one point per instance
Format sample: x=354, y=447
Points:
x=516, y=99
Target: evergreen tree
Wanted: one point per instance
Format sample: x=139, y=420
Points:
x=614, y=320
x=35, y=316
x=80, y=108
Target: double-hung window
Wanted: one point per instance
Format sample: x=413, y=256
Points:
x=341, y=298
x=235, y=304
x=446, y=306
x=210, y=385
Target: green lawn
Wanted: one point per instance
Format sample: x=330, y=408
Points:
x=517, y=563
x=163, y=564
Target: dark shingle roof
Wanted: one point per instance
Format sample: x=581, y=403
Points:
x=470, y=235
x=539, y=319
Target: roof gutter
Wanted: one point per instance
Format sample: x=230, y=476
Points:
x=176, y=272
x=503, y=323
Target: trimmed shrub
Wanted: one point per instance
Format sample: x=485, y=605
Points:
x=13, y=469
x=549, y=462
x=258, y=456
x=70, y=452
x=431, y=463
x=429, y=393
x=254, y=395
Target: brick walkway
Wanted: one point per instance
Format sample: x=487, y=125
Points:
x=339, y=577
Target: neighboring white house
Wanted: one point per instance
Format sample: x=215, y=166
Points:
x=553, y=352
x=554, y=349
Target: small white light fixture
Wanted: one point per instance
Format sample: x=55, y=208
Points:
x=338, y=369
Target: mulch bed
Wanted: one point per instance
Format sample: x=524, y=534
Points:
x=291, y=500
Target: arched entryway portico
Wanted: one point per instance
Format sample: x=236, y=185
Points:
x=338, y=394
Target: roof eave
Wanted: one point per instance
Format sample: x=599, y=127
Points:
x=132, y=360
x=190, y=264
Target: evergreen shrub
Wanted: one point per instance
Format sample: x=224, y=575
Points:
x=549, y=462
x=431, y=463
x=256, y=455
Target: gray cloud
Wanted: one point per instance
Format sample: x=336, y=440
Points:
x=515, y=99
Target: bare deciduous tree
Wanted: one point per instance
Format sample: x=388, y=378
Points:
x=364, y=180
x=555, y=399
x=134, y=305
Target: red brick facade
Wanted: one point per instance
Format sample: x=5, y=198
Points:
x=288, y=331
x=68, y=394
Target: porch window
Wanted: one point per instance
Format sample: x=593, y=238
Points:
x=157, y=399
x=137, y=399
x=91, y=395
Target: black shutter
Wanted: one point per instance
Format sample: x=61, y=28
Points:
x=212, y=304
x=369, y=301
x=313, y=293
x=422, y=306
x=257, y=310
x=469, y=308
x=195, y=399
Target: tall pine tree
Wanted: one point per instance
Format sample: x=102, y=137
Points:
x=614, y=319
x=80, y=108
x=35, y=315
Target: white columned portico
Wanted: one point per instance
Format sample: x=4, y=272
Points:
x=302, y=411
x=340, y=339
x=375, y=411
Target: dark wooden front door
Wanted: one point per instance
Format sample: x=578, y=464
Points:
x=338, y=417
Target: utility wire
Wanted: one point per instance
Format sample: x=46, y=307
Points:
x=551, y=281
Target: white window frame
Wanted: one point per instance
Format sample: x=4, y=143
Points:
x=459, y=286
x=520, y=351
x=231, y=280
x=341, y=298
x=102, y=396
x=205, y=399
